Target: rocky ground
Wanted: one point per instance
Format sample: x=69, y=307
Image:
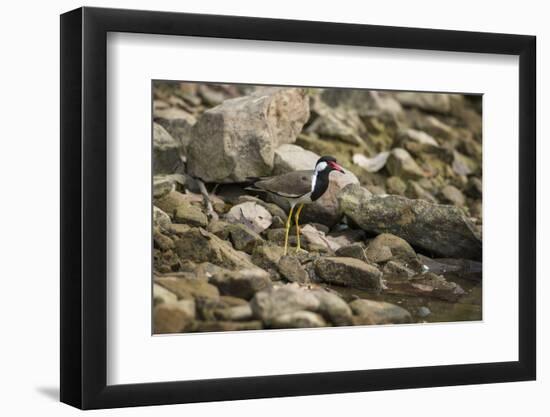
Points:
x=397, y=239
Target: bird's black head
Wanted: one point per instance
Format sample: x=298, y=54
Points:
x=328, y=163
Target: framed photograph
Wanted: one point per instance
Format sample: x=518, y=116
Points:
x=258, y=208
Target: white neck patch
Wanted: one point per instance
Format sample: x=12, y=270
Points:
x=321, y=166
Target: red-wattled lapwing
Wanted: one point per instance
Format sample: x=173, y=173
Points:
x=299, y=188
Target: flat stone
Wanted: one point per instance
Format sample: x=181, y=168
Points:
x=348, y=272
x=355, y=250
x=378, y=312
x=267, y=305
x=188, y=288
x=250, y=214
x=290, y=158
x=243, y=283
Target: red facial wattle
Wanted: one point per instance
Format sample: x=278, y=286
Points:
x=336, y=167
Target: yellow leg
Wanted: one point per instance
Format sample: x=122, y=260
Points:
x=296, y=218
x=287, y=229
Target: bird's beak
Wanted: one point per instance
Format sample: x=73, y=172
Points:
x=337, y=167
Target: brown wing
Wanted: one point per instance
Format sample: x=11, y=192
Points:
x=292, y=184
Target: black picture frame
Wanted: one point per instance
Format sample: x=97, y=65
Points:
x=84, y=207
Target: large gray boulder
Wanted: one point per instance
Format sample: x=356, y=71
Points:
x=442, y=230
x=237, y=139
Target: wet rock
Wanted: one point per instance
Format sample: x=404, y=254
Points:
x=243, y=283
x=401, y=164
x=251, y=214
x=291, y=269
x=198, y=245
x=190, y=214
x=387, y=246
x=463, y=268
x=290, y=158
x=166, y=151
x=432, y=102
x=267, y=305
x=423, y=312
x=226, y=326
x=427, y=285
x=398, y=268
x=451, y=194
x=333, y=308
x=395, y=185
x=298, y=319
x=374, y=164
x=162, y=295
x=237, y=139
x=243, y=238
x=440, y=229
x=369, y=312
x=187, y=287
x=173, y=317
x=355, y=250
x=348, y=272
